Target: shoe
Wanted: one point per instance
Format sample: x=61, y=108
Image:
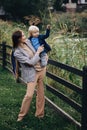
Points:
x=19, y=119
x=40, y=117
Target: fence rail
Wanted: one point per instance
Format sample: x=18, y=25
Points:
x=64, y=82
x=66, y=67
x=81, y=108
x=71, y=102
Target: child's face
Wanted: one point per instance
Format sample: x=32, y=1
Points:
x=35, y=33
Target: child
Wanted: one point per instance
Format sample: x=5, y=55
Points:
x=38, y=40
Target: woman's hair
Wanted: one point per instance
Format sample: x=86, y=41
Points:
x=15, y=38
x=32, y=28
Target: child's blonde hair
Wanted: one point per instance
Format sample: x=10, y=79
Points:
x=32, y=28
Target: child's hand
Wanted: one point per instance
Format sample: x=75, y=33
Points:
x=48, y=26
x=40, y=49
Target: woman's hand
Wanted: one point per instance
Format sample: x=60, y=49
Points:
x=40, y=49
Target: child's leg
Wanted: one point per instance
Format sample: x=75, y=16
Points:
x=43, y=59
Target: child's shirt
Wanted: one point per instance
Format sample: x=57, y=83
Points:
x=35, y=42
x=40, y=40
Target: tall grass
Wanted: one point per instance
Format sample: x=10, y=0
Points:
x=71, y=51
x=66, y=40
x=7, y=28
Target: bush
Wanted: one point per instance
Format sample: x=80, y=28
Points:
x=66, y=23
x=7, y=28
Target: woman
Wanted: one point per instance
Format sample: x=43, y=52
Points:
x=32, y=73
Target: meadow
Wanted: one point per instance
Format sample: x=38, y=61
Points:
x=11, y=95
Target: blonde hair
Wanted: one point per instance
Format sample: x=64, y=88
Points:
x=32, y=28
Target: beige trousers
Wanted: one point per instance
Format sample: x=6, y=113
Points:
x=40, y=99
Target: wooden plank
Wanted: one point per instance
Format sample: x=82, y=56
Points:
x=63, y=97
x=1, y=44
x=9, y=69
x=10, y=47
x=8, y=54
x=1, y=51
x=0, y=64
x=64, y=82
x=66, y=67
x=62, y=113
x=1, y=58
x=8, y=62
x=84, y=100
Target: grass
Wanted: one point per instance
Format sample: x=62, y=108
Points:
x=11, y=95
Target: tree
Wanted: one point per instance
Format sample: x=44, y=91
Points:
x=21, y=8
x=58, y=4
x=74, y=1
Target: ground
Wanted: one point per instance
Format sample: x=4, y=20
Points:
x=11, y=95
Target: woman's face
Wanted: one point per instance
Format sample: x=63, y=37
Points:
x=23, y=38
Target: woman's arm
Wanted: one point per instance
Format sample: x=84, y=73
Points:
x=25, y=59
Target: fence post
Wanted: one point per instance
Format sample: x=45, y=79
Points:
x=4, y=54
x=84, y=100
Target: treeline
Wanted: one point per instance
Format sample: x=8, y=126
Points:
x=21, y=8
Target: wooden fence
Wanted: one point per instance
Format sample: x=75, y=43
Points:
x=82, y=91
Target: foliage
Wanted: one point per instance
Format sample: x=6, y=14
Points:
x=20, y=8
x=33, y=20
x=58, y=4
x=71, y=51
x=63, y=39
x=67, y=23
x=7, y=28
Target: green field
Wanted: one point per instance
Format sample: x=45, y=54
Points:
x=11, y=95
